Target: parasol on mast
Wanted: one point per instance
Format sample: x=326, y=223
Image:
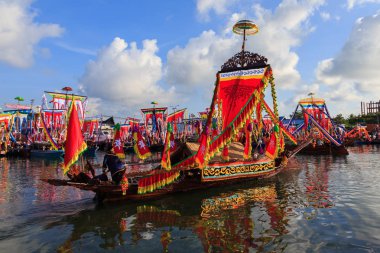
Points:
x=246, y=28
x=66, y=89
x=19, y=99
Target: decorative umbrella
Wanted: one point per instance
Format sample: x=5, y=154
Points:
x=19, y=99
x=66, y=89
x=245, y=27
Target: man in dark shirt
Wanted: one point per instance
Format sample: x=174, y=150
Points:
x=114, y=165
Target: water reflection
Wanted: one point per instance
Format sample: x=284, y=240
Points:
x=224, y=221
x=317, y=204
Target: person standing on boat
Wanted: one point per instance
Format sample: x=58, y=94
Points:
x=114, y=165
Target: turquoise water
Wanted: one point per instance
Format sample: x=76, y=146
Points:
x=319, y=204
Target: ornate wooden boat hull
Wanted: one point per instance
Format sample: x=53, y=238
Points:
x=189, y=180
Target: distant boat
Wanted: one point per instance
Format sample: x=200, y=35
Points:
x=50, y=154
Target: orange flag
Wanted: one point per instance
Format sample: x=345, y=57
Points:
x=75, y=143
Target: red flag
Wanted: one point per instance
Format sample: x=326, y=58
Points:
x=75, y=143
x=141, y=149
x=118, y=143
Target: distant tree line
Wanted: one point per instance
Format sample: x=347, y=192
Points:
x=352, y=120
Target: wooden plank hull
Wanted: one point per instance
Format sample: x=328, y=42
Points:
x=189, y=180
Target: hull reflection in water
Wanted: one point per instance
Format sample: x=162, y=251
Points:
x=221, y=222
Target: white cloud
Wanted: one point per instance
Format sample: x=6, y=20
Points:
x=197, y=63
x=353, y=75
x=218, y=6
x=19, y=33
x=325, y=16
x=125, y=75
x=280, y=32
x=76, y=49
x=351, y=3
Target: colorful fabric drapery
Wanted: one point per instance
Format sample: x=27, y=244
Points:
x=225, y=154
x=53, y=143
x=75, y=143
x=201, y=156
x=140, y=147
x=271, y=147
x=157, y=181
x=240, y=92
x=248, y=140
x=118, y=145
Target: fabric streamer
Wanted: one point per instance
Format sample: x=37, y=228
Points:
x=157, y=181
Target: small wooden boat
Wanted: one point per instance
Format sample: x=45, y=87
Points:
x=324, y=149
x=48, y=154
x=217, y=174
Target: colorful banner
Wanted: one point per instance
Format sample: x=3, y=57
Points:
x=159, y=114
x=62, y=101
x=89, y=126
x=75, y=143
x=118, y=145
x=176, y=117
x=54, y=119
x=141, y=149
x=271, y=146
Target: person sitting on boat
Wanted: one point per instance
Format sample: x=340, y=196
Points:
x=114, y=165
x=87, y=177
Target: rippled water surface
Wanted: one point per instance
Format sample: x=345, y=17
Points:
x=319, y=204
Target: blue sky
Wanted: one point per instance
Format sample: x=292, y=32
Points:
x=124, y=54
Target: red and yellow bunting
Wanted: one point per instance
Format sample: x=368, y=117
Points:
x=157, y=181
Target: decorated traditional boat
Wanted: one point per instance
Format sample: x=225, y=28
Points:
x=318, y=126
x=223, y=153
